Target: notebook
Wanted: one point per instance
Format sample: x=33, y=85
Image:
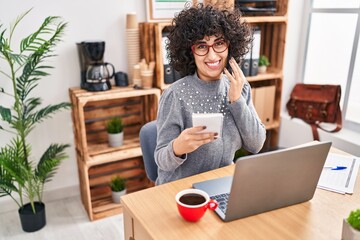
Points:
x=212, y=121
x=268, y=181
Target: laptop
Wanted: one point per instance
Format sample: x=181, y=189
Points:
x=268, y=181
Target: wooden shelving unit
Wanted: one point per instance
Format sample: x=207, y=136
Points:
x=97, y=162
x=273, y=41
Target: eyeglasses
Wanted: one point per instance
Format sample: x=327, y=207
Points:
x=202, y=49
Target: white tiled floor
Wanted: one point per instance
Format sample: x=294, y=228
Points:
x=66, y=219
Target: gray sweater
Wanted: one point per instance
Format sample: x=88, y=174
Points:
x=241, y=126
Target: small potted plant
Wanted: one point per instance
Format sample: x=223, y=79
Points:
x=263, y=63
x=351, y=226
x=118, y=188
x=115, y=132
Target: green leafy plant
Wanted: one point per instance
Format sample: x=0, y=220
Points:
x=264, y=61
x=115, y=125
x=354, y=219
x=19, y=173
x=117, y=184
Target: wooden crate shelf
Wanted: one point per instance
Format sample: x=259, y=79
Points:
x=115, y=155
x=97, y=162
x=96, y=148
x=92, y=110
x=263, y=19
x=271, y=73
x=95, y=178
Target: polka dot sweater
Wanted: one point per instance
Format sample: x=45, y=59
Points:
x=241, y=127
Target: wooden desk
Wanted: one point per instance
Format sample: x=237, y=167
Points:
x=152, y=214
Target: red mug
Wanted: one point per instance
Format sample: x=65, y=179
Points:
x=193, y=203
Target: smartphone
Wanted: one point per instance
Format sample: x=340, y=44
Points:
x=228, y=67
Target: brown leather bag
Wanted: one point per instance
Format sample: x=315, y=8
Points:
x=314, y=104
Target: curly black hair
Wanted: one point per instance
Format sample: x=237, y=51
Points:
x=194, y=23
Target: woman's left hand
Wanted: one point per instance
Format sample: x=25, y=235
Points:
x=237, y=80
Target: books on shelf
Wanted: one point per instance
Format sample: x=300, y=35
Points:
x=250, y=64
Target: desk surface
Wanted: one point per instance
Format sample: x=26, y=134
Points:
x=152, y=214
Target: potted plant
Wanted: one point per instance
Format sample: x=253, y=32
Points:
x=263, y=63
x=20, y=173
x=118, y=188
x=115, y=132
x=351, y=226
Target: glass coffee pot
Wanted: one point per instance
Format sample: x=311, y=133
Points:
x=100, y=72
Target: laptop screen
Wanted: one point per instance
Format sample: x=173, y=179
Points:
x=271, y=180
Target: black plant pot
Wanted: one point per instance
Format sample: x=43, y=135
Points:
x=31, y=222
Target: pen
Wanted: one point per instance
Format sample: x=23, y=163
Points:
x=335, y=167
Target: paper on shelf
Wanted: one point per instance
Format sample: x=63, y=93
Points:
x=340, y=181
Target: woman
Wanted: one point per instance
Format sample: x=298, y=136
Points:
x=202, y=41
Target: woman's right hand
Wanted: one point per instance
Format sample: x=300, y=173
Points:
x=237, y=80
x=190, y=139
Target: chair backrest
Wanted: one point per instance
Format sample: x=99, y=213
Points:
x=148, y=134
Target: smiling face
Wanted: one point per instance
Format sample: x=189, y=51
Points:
x=210, y=65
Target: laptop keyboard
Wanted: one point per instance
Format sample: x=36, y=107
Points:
x=222, y=199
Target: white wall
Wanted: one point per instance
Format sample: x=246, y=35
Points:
x=87, y=20
x=292, y=49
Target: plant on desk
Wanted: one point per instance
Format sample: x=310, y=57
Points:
x=351, y=226
x=118, y=188
x=115, y=132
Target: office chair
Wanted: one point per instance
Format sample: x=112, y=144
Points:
x=148, y=134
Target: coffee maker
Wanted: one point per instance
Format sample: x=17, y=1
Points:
x=95, y=73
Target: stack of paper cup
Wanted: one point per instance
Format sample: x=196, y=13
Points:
x=147, y=77
x=133, y=44
x=147, y=73
x=136, y=75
